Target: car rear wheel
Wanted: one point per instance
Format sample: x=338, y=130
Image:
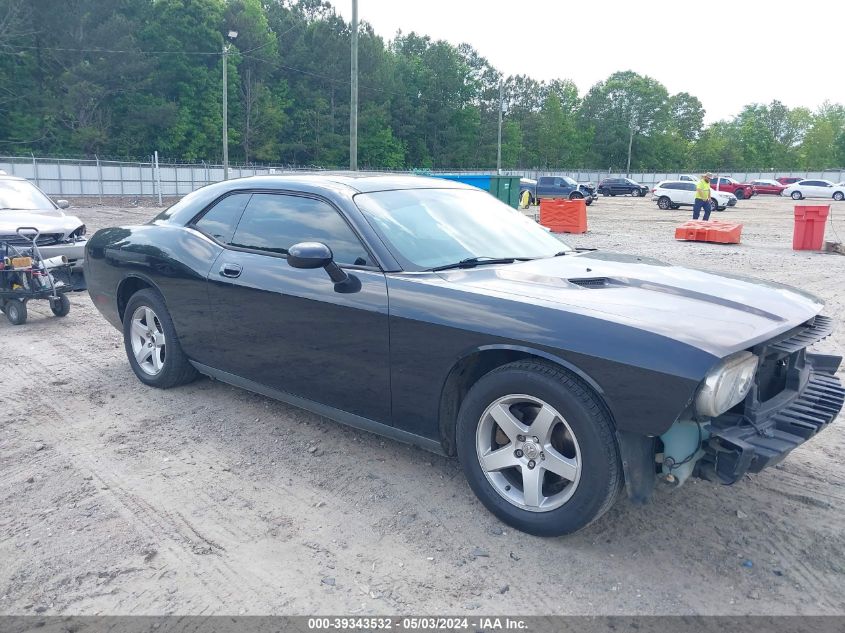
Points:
x=796, y=195
x=151, y=343
x=15, y=310
x=664, y=203
x=575, y=196
x=538, y=449
x=839, y=196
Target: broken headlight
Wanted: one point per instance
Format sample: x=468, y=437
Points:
x=726, y=384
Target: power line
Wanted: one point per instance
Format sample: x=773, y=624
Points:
x=100, y=50
x=343, y=82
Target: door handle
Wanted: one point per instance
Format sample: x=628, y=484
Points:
x=230, y=270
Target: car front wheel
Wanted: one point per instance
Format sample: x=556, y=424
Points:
x=538, y=449
x=151, y=343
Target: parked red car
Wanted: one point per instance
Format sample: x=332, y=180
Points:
x=741, y=190
x=788, y=180
x=768, y=186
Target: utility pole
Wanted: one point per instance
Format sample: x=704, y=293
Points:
x=499, y=143
x=353, y=98
x=232, y=35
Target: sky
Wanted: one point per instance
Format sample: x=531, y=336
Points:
x=726, y=53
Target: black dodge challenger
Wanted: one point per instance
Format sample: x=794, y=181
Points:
x=429, y=312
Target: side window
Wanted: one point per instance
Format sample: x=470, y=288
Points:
x=545, y=180
x=813, y=183
x=220, y=220
x=688, y=186
x=275, y=222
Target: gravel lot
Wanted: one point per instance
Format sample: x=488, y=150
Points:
x=120, y=499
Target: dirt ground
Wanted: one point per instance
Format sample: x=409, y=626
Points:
x=120, y=499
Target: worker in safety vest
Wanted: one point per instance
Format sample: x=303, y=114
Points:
x=702, y=197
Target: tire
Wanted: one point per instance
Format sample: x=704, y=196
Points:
x=604, y=192
x=664, y=203
x=151, y=343
x=796, y=195
x=575, y=436
x=589, y=201
x=740, y=194
x=60, y=306
x=839, y=196
x=575, y=196
x=642, y=193
x=15, y=310
x=674, y=206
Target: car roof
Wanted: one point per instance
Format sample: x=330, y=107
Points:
x=8, y=177
x=356, y=181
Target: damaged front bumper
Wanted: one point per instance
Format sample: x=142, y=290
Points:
x=795, y=395
x=765, y=437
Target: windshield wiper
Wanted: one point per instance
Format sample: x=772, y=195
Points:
x=471, y=262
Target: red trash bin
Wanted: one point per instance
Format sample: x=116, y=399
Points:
x=808, y=234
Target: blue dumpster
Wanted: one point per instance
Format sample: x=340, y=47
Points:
x=505, y=188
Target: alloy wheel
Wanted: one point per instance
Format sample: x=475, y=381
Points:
x=148, y=340
x=528, y=453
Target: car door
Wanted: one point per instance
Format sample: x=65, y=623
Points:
x=686, y=192
x=545, y=187
x=291, y=329
x=808, y=188
x=824, y=189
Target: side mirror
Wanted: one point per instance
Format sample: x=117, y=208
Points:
x=310, y=255
x=63, y=204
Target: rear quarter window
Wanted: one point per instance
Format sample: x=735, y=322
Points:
x=221, y=219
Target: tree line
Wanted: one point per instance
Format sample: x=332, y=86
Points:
x=120, y=78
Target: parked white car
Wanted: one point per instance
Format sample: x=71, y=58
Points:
x=673, y=194
x=22, y=204
x=814, y=189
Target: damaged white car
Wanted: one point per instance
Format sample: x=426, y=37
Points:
x=22, y=204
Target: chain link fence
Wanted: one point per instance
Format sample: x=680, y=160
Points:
x=60, y=177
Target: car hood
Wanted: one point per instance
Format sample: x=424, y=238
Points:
x=717, y=313
x=45, y=221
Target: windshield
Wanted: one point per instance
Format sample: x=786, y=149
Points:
x=22, y=195
x=426, y=228
x=569, y=181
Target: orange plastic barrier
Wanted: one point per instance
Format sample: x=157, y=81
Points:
x=711, y=231
x=564, y=216
x=808, y=234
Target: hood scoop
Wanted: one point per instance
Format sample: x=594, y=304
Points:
x=594, y=282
